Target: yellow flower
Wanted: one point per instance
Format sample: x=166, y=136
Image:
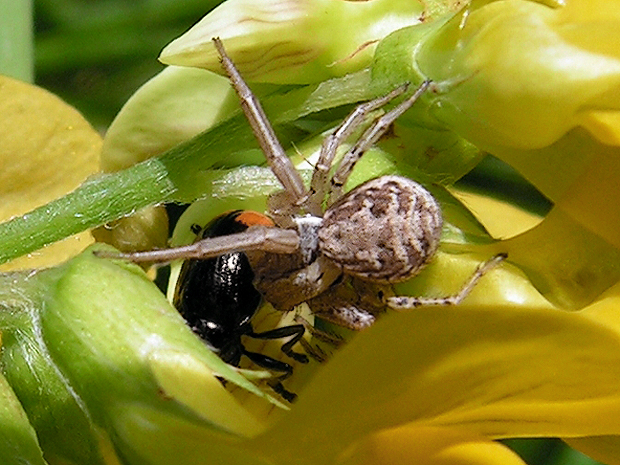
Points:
x=549, y=107
x=47, y=149
x=434, y=385
x=537, y=86
x=440, y=383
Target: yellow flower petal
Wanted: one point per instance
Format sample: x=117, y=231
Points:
x=425, y=445
x=574, y=254
x=593, y=199
x=603, y=124
x=565, y=260
x=497, y=371
x=47, y=149
x=605, y=449
x=501, y=219
x=520, y=74
x=581, y=176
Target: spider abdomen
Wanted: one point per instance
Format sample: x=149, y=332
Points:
x=384, y=230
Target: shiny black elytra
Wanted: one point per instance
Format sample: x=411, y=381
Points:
x=218, y=300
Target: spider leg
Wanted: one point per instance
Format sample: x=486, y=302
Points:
x=408, y=302
x=318, y=185
x=297, y=331
x=370, y=136
x=342, y=306
x=274, y=240
x=342, y=313
x=279, y=162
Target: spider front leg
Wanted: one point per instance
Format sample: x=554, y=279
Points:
x=256, y=238
x=368, y=138
x=409, y=302
x=318, y=185
x=278, y=161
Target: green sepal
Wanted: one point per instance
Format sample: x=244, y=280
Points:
x=94, y=346
x=17, y=436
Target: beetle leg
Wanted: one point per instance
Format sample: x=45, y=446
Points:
x=272, y=364
x=297, y=331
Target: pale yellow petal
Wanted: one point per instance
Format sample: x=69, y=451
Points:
x=604, y=125
x=593, y=199
x=425, y=445
x=498, y=371
x=46, y=150
x=501, y=219
x=173, y=107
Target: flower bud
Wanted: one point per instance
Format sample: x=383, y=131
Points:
x=295, y=41
x=93, y=345
x=144, y=230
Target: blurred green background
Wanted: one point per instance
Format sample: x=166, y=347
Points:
x=96, y=53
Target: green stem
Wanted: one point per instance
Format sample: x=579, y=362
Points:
x=182, y=174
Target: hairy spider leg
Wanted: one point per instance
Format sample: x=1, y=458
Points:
x=409, y=302
x=279, y=162
x=275, y=240
x=370, y=136
x=318, y=184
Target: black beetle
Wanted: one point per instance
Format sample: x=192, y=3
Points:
x=218, y=300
